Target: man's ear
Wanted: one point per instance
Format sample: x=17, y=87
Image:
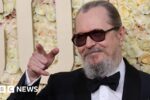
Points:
x=121, y=34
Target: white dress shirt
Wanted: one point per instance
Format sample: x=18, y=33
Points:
x=27, y=81
x=106, y=93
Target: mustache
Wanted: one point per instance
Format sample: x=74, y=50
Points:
x=91, y=50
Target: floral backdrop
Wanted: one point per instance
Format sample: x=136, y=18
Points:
x=135, y=15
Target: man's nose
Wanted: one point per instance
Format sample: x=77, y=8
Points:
x=89, y=42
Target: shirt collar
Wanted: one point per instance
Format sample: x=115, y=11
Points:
x=121, y=69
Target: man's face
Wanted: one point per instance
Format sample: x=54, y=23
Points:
x=96, y=52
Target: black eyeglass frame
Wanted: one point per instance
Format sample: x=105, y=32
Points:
x=90, y=34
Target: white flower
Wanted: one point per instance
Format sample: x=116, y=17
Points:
x=12, y=67
x=144, y=6
x=131, y=47
x=40, y=9
x=76, y=4
x=144, y=44
x=9, y=6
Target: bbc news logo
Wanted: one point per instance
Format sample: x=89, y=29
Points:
x=12, y=89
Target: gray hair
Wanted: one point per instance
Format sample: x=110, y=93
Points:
x=113, y=13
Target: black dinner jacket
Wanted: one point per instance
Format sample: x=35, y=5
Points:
x=73, y=86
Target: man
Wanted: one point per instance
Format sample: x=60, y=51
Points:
x=106, y=75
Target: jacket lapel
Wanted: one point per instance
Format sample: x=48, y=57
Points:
x=81, y=89
x=132, y=84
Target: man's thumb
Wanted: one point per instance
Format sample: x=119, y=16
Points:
x=53, y=53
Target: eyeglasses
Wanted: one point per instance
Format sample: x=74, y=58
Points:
x=96, y=35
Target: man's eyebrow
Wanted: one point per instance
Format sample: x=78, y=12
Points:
x=80, y=33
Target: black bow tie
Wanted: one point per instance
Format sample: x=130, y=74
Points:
x=111, y=81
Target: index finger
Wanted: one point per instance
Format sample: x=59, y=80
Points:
x=40, y=49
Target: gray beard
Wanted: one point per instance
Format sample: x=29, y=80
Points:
x=100, y=69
